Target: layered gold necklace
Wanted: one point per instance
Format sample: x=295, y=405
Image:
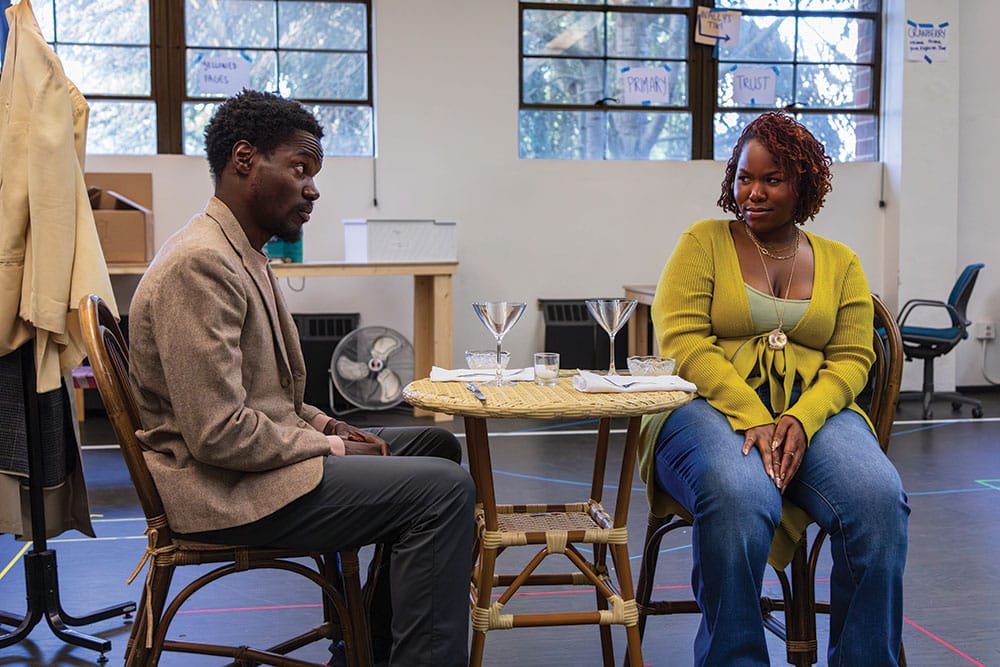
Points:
x=776, y=339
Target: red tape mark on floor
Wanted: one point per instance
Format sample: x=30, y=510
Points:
x=944, y=643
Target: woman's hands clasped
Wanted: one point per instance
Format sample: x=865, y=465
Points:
x=782, y=447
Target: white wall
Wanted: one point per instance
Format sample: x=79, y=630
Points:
x=446, y=96
x=978, y=207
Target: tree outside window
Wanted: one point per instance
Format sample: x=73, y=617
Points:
x=136, y=62
x=825, y=55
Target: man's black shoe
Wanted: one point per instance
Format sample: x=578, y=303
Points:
x=380, y=649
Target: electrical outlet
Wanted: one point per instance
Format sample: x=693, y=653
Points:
x=985, y=330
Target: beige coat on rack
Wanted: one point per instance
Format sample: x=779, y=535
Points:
x=50, y=255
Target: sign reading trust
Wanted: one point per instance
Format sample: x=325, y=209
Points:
x=754, y=86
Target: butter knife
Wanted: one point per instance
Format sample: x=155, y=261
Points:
x=474, y=388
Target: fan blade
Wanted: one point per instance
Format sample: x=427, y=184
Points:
x=351, y=370
x=390, y=384
x=384, y=346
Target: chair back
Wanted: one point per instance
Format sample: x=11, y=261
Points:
x=960, y=293
x=108, y=354
x=887, y=372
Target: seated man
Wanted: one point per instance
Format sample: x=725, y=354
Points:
x=236, y=455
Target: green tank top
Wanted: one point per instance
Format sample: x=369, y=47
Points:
x=762, y=310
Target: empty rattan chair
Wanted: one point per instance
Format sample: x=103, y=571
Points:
x=798, y=583
x=336, y=575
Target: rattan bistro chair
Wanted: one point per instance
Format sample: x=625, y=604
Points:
x=337, y=575
x=798, y=601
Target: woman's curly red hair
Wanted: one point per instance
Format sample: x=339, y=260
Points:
x=801, y=156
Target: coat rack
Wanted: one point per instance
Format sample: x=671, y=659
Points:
x=41, y=578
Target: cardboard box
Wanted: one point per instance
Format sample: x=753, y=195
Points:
x=122, y=212
x=400, y=241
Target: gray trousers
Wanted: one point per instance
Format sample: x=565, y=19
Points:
x=419, y=503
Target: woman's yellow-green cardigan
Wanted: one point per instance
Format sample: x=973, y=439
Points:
x=701, y=315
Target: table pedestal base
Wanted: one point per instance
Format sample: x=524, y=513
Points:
x=559, y=528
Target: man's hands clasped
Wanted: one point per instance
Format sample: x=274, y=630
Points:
x=782, y=447
x=356, y=441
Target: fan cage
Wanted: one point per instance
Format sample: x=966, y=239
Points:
x=381, y=361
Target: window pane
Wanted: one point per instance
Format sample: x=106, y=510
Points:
x=837, y=40
x=551, y=33
x=347, y=130
x=834, y=86
x=107, y=70
x=727, y=130
x=563, y=81
x=121, y=128
x=652, y=3
x=263, y=69
x=762, y=39
x=783, y=84
x=45, y=15
x=755, y=4
x=847, y=137
x=239, y=23
x=635, y=35
x=618, y=135
x=840, y=5
x=104, y=22
x=562, y=135
x=196, y=116
x=634, y=135
x=678, y=79
x=319, y=75
x=314, y=25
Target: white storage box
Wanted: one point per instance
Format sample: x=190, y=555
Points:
x=399, y=241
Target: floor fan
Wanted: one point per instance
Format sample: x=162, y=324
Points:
x=369, y=368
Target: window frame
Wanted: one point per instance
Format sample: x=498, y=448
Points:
x=168, y=72
x=703, y=69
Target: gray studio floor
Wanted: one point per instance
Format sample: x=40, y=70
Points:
x=951, y=469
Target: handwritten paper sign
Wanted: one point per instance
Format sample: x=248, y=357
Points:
x=754, y=86
x=717, y=27
x=926, y=41
x=223, y=75
x=645, y=85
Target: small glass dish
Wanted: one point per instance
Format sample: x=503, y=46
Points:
x=651, y=365
x=481, y=360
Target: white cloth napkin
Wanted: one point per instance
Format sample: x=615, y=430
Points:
x=467, y=375
x=598, y=384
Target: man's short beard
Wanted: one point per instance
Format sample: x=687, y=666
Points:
x=290, y=235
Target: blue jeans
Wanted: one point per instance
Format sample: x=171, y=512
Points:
x=846, y=485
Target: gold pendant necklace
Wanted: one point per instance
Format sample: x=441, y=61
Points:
x=773, y=254
x=776, y=339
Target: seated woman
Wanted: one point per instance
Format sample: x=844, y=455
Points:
x=774, y=326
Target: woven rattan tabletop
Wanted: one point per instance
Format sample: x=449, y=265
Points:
x=526, y=399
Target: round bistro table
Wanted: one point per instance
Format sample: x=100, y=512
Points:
x=555, y=527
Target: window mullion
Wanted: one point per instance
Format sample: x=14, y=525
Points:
x=702, y=91
x=167, y=31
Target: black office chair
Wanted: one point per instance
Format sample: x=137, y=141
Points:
x=928, y=343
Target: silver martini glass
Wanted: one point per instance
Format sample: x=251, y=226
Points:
x=499, y=317
x=611, y=314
